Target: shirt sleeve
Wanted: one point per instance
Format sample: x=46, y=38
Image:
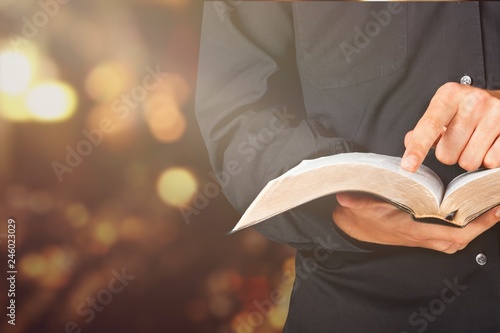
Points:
x=251, y=113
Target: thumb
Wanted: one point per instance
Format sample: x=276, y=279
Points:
x=353, y=199
x=490, y=218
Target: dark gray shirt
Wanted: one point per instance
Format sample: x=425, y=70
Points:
x=283, y=82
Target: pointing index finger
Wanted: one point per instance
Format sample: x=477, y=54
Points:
x=441, y=110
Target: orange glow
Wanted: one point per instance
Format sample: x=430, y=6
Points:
x=51, y=101
x=168, y=128
x=14, y=108
x=176, y=186
x=16, y=72
x=105, y=233
x=220, y=306
x=51, y=268
x=107, y=81
x=163, y=108
x=278, y=317
x=224, y=281
x=132, y=228
x=59, y=266
x=23, y=94
x=164, y=117
x=254, y=243
x=124, y=130
x=289, y=265
x=240, y=320
x=33, y=265
x=289, y=271
x=178, y=86
x=77, y=214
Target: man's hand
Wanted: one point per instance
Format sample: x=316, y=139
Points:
x=368, y=219
x=463, y=123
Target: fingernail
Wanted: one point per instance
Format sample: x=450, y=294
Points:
x=409, y=163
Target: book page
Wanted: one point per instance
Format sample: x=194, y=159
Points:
x=417, y=193
x=424, y=175
x=466, y=178
x=471, y=194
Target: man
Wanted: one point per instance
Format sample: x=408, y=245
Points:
x=283, y=82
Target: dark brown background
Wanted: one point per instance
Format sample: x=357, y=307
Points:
x=106, y=215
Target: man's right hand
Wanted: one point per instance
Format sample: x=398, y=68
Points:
x=368, y=219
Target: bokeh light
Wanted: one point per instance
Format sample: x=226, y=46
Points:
x=254, y=243
x=107, y=81
x=176, y=186
x=29, y=89
x=132, y=228
x=105, y=233
x=49, y=267
x=164, y=117
x=239, y=323
x=77, y=214
x=33, y=265
x=59, y=264
x=14, y=108
x=277, y=318
x=162, y=109
x=16, y=72
x=52, y=101
x=220, y=306
x=124, y=127
x=224, y=281
x=110, y=212
x=289, y=270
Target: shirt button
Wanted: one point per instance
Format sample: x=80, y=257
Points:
x=466, y=79
x=481, y=259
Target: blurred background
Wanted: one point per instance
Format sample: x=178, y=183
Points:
x=119, y=223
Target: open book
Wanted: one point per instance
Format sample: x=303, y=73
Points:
x=422, y=194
